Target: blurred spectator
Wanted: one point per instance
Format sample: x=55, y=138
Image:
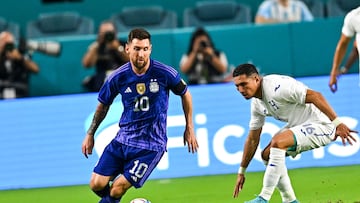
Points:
x=106, y=54
x=15, y=68
x=282, y=11
x=203, y=63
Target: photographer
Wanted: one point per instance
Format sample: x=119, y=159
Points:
x=106, y=54
x=15, y=67
x=203, y=63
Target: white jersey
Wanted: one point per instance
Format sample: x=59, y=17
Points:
x=351, y=25
x=283, y=98
x=295, y=11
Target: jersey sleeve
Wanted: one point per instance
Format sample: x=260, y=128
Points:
x=108, y=92
x=348, y=27
x=257, y=119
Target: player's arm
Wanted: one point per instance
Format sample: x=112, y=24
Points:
x=320, y=102
x=251, y=144
x=99, y=116
x=339, y=54
x=353, y=56
x=189, y=134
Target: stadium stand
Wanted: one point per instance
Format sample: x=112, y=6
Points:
x=12, y=27
x=149, y=17
x=316, y=7
x=340, y=7
x=59, y=24
x=216, y=13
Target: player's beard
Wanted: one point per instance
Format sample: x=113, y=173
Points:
x=140, y=64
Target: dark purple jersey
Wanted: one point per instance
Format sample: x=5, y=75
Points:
x=145, y=100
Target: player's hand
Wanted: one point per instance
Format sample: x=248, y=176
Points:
x=87, y=145
x=333, y=83
x=190, y=141
x=344, y=133
x=239, y=184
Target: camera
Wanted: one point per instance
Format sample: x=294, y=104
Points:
x=46, y=47
x=51, y=48
x=204, y=44
x=9, y=47
x=109, y=36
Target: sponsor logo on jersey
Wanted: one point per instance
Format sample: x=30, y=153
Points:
x=135, y=179
x=128, y=90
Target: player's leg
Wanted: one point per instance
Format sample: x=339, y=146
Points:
x=136, y=171
x=109, y=166
x=276, y=165
x=119, y=187
x=140, y=165
x=285, y=188
x=306, y=136
x=284, y=185
x=99, y=184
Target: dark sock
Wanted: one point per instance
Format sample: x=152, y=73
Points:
x=104, y=192
x=109, y=199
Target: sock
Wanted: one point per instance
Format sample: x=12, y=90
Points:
x=265, y=162
x=103, y=192
x=109, y=199
x=284, y=186
x=274, y=170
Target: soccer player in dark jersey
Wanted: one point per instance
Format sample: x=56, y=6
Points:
x=144, y=85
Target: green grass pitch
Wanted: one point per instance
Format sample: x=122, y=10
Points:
x=312, y=185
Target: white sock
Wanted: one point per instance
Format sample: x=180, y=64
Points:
x=286, y=191
x=274, y=170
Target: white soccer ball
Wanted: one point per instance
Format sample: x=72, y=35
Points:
x=140, y=200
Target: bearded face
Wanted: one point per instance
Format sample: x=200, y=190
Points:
x=139, y=53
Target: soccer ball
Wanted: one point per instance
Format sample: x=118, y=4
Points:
x=140, y=200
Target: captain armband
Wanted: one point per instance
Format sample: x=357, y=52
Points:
x=180, y=87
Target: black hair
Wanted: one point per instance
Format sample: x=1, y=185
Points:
x=138, y=33
x=108, y=22
x=246, y=68
x=200, y=31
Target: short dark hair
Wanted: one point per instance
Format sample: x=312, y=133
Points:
x=199, y=31
x=246, y=68
x=138, y=33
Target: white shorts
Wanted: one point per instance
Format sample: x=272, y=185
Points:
x=310, y=136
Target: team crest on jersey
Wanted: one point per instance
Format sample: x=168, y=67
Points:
x=140, y=88
x=154, y=86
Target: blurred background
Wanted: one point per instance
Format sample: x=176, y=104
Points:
x=45, y=130
x=297, y=49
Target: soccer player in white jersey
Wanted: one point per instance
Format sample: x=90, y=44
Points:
x=311, y=123
x=144, y=86
x=351, y=28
